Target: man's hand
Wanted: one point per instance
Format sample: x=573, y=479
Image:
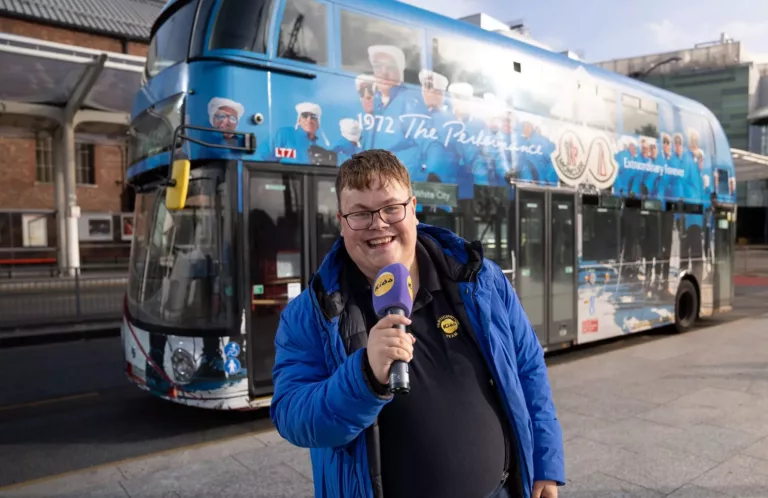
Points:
x=544, y=489
x=387, y=344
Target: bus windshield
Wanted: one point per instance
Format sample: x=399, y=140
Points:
x=180, y=260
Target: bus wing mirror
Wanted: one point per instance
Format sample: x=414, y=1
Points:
x=176, y=193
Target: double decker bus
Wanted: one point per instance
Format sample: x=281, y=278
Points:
x=608, y=203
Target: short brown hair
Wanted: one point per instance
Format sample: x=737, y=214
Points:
x=361, y=170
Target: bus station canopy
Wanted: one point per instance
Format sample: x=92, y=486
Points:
x=749, y=165
x=44, y=85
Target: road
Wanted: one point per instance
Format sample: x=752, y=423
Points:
x=67, y=406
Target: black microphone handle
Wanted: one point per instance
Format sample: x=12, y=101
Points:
x=399, y=381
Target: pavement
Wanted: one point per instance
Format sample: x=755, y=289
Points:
x=674, y=416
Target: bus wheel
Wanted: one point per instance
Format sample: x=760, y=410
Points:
x=686, y=306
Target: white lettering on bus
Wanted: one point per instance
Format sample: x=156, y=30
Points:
x=417, y=128
x=432, y=194
x=653, y=168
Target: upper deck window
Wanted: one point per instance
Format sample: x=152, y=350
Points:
x=390, y=51
x=242, y=25
x=170, y=43
x=698, y=132
x=640, y=116
x=466, y=61
x=304, y=32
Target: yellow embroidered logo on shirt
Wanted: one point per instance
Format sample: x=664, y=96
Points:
x=449, y=325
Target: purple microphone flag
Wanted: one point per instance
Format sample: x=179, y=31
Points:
x=392, y=288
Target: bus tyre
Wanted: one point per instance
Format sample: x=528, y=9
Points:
x=686, y=306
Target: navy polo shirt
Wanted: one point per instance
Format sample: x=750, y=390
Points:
x=449, y=436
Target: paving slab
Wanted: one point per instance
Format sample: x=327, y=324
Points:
x=680, y=417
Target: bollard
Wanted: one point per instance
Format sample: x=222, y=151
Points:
x=78, y=311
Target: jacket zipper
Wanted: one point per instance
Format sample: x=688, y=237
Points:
x=494, y=373
x=350, y=449
x=321, y=316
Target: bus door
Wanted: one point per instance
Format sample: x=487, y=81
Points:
x=544, y=261
x=724, y=227
x=288, y=225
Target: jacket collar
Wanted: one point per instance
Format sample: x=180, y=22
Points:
x=453, y=257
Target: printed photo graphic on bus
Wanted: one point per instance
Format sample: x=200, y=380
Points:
x=448, y=132
x=224, y=115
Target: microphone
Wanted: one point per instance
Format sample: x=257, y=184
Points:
x=393, y=295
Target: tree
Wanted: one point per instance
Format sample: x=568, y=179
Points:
x=648, y=130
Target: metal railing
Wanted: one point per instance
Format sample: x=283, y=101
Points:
x=50, y=301
x=751, y=260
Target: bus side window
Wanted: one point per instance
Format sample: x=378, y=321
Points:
x=697, y=129
x=303, y=32
x=640, y=116
x=170, y=43
x=360, y=32
x=241, y=28
x=465, y=61
x=596, y=105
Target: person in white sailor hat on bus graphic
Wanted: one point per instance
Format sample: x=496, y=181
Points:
x=365, y=85
x=499, y=118
x=391, y=100
x=302, y=143
x=627, y=178
x=472, y=161
x=349, y=143
x=532, y=160
x=224, y=115
x=648, y=181
x=694, y=191
x=438, y=163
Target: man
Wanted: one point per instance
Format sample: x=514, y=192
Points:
x=392, y=100
x=224, y=114
x=296, y=144
x=479, y=420
x=349, y=144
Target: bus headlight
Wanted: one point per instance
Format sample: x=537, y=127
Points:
x=183, y=366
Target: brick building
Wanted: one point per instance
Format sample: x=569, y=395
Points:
x=48, y=49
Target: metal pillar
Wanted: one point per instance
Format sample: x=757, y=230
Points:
x=72, y=210
x=61, y=201
x=80, y=92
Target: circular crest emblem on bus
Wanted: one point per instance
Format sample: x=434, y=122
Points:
x=571, y=158
x=384, y=283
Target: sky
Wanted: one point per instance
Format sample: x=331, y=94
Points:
x=613, y=29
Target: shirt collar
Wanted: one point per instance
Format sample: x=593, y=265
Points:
x=358, y=284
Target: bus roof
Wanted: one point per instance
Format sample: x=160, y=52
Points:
x=397, y=11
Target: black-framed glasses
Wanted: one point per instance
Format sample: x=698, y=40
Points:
x=391, y=214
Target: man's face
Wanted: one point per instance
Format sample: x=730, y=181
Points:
x=386, y=72
x=527, y=129
x=225, y=119
x=432, y=98
x=633, y=150
x=309, y=123
x=461, y=105
x=667, y=148
x=678, y=147
x=399, y=238
x=654, y=151
x=366, y=98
